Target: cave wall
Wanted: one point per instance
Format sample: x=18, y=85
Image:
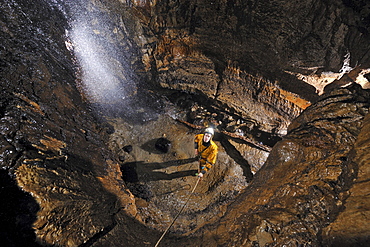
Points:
x=230, y=50
x=52, y=147
x=310, y=178
x=306, y=193
x=350, y=228
x=266, y=37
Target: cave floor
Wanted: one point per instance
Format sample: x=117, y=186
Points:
x=162, y=182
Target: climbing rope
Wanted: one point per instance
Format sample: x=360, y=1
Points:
x=183, y=206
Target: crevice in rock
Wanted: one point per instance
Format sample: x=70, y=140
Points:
x=3, y=105
x=18, y=211
x=100, y=234
x=237, y=157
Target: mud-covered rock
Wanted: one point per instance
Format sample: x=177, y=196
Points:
x=351, y=227
x=232, y=57
x=305, y=183
x=127, y=148
x=163, y=145
x=51, y=146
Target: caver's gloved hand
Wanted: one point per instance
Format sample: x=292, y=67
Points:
x=201, y=174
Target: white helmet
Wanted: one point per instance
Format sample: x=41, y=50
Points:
x=209, y=130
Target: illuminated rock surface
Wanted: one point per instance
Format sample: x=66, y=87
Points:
x=83, y=81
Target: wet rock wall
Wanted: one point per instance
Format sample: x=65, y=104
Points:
x=53, y=148
x=351, y=226
x=51, y=145
x=220, y=49
x=297, y=196
x=260, y=101
x=267, y=37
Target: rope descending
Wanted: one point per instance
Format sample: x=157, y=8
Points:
x=187, y=200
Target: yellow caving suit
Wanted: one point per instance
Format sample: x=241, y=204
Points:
x=207, y=153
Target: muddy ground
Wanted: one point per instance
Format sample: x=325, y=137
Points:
x=162, y=181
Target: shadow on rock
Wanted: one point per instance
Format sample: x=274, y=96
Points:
x=238, y=158
x=133, y=172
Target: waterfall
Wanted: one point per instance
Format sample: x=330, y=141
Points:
x=104, y=53
x=105, y=72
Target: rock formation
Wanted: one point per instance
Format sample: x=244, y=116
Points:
x=81, y=168
x=306, y=181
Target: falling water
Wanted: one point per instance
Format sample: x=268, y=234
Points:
x=103, y=54
x=102, y=76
